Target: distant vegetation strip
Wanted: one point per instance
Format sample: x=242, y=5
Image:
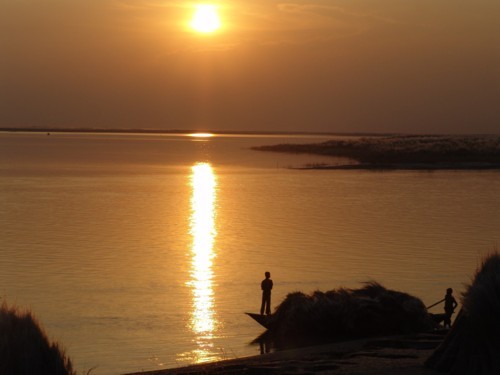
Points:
x=414, y=152
x=170, y=131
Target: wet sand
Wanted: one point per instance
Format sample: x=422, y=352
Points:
x=402, y=355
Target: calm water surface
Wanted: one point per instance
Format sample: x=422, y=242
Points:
x=141, y=252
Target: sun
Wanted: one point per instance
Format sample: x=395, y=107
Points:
x=205, y=19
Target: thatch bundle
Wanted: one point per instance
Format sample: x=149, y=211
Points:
x=473, y=344
x=25, y=349
x=349, y=313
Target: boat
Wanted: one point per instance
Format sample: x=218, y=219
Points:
x=268, y=321
x=438, y=318
x=265, y=321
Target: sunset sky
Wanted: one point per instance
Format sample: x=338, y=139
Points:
x=408, y=66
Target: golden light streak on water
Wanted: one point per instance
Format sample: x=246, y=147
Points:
x=203, y=212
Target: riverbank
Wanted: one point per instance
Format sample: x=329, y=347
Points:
x=402, y=355
x=402, y=152
x=404, y=166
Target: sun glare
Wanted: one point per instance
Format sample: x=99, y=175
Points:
x=205, y=19
x=201, y=135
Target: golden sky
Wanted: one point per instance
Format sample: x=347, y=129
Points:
x=316, y=65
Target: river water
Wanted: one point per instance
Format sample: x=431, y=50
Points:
x=142, y=252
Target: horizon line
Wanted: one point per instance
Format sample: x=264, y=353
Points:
x=177, y=131
x=35, y=129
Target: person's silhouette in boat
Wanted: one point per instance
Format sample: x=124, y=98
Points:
x=266, y=285
x=450, y=304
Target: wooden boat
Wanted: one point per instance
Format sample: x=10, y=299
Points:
x=267, y=321
x=438, y=318
x=264, y=320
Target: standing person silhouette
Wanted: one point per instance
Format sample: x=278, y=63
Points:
x=450, y=304
x=266, y=285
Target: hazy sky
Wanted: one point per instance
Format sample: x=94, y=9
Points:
x=313, y=65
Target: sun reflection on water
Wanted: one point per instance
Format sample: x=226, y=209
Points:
x=203, y=211
x=201, y=135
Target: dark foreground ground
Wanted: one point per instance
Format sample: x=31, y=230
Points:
x=402, y=355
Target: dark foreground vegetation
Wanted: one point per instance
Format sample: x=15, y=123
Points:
x=25, y=348
x=417, y=152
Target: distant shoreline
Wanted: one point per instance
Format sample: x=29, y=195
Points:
x=413, y=152
x=182, y=131
x=371, y=151
x=412, y=167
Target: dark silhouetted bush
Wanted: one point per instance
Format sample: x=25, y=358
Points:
x=25, y=348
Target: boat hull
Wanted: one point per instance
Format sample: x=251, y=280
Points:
x=264, y=320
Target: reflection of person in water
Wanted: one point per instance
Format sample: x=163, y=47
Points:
x=450, y=304
x=266, y=286
x=265, y=347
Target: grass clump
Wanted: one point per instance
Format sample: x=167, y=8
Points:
x=25, y=348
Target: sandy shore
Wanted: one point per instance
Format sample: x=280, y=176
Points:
x=402, y=355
